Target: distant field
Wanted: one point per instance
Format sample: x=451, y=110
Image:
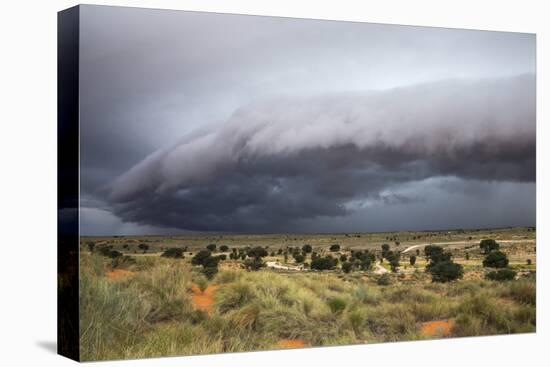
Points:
x=137, y=303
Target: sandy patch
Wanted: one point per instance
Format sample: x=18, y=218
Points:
x=291, y=343
x=119, y=274
x=438, y=328
x=204, y=301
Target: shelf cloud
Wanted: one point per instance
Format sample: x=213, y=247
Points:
x=285, y=159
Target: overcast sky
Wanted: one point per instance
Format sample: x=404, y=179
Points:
x=211, y=122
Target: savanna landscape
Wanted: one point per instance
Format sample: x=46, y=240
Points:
x=149, y=296
x=260, y=183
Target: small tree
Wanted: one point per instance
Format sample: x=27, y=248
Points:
x=254, y=264
x=210, y=271
x=91, y=246
x=143, y=247
x=335, y=248
x=211, y=247
x=343, y=258
x=412, y=260
x=385, y=249
x=347, y=267
x=201, y=257
x=528, y=261
x=384, y=279
x=501, y=275
x=323, y=263
x=495, y=259
x=446, y=271
x=257, y=252
x=299, y=258
x=307, y=249
x=176, y=253
x=393, y=259
x=224, y=248
x=488, y=245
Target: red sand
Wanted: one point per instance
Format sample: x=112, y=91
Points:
x=204, y=301
x=291, y=343
x=437, y=328
x=119, y=274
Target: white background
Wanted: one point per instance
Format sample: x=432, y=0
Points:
x=28, y=181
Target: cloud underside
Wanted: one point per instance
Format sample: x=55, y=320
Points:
x=278, y=162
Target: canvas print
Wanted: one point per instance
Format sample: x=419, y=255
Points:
x=248, y=183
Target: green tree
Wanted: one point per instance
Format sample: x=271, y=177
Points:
x=347, y=267
x=224, y=248
x=335, y=248
x=307, y=249
x=254, y=264
x=211, y=247
x=446, y=271
x=143, y=247
x=495, y=259
x=176, y=253
x=501, y=275
x=323, y=263
x=412, y=260
x=201, y=257
x=257, y=252
x=299, y=258
x=488, y=245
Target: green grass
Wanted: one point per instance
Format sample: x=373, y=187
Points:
x=151, y=313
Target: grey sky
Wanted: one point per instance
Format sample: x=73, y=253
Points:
x=360, y=127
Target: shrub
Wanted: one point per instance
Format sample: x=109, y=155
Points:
x=488, y=245
x=446, y=271
x=385, y=248
x=224, y=248
x=222, y=257
x=323, y=263
x=123, y=261
x=528, y=261
x=143, y=247
x=254, y=264
x=202, y=283
x=307, y=249
x=257, y=252
x=412, y=260
x=495, y=259
x=210, y=271
x=113, y=254
x=335, y=248
x=176, y=253
x=393, y=259
x=91, y=246
x=347, y=267
x=201, y=257
x=299, y=258
x=501, y=275
x=343, y=258
x=384, y=279
x=336, y=305
x=211, y=247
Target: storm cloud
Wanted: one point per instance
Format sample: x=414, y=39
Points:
x=283, y=160
x=215, y=122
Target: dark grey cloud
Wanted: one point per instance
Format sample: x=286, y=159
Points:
x=277, y=162
x=197, y=121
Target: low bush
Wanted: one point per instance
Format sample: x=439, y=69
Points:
x=495, y=259
x=176, y=253
x=501, y=275
x=336, y=305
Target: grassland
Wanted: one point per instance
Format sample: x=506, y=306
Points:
x=147, y=305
